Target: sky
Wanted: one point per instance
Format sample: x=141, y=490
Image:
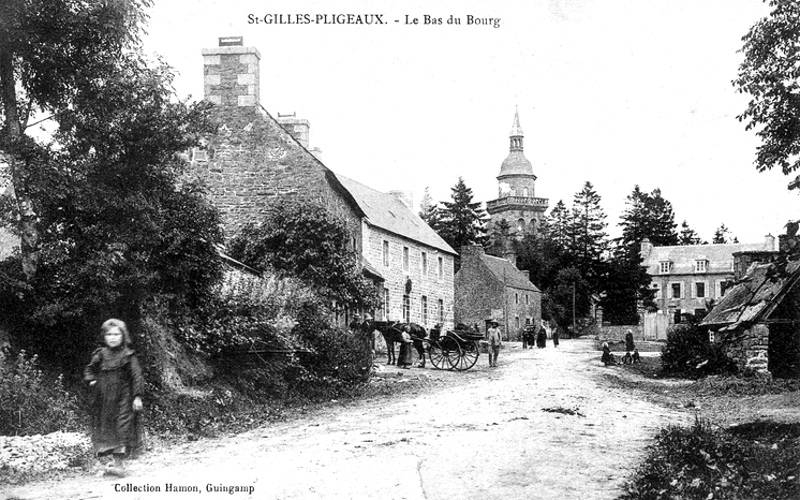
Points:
x=615, y=92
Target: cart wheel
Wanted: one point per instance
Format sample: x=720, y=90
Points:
x=469, y=356
x=437, y=357
x=451, y=351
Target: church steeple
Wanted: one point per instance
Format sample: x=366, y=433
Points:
x=516, y=133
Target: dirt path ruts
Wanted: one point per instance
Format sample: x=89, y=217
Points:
x=481, y=434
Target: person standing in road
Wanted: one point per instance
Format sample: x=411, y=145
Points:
x=555, y=333
x=495, y=342
x=115, y=379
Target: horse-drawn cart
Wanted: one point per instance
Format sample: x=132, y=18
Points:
x=457, y=350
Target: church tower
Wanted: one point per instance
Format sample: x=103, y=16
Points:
x=516, y=201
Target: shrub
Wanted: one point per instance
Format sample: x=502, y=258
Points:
x=698, y=463
x=689, y=353
x=31, y=402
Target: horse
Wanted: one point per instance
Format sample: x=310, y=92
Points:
x=392, y=332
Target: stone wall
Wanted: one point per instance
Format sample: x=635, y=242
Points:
x=617, y=332
x=748, y=348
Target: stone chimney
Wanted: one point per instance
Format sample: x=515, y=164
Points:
x=646, y=248
x=297, y=127
x=406, y=197
x=511, y=256
x=231, y=74
x=469, y=252
x=769, y=242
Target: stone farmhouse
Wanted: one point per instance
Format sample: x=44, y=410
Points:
x=255, y=158
x=688, y=279
x=493, y=287
x=416, y=264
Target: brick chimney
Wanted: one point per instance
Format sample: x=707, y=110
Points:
x=231, y=74
x=299, y=128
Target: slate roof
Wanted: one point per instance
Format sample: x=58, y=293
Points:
x=754, y=297
x=719, y=257
x=387, y=212
x=506, y=272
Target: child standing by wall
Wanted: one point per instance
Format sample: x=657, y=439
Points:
x=115, y=378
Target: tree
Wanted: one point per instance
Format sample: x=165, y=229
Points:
x=688, y=236
x=50, y=53
x=647, y=215
x=462, y=221
x=587, y=239
x=556, y=224
x=769, y=73
x=626, y=285
x=500, y=239
x=118, y=225
x=301, y=239
x=722, y=236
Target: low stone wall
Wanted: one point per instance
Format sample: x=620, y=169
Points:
x=748, y=348
x=617, y=332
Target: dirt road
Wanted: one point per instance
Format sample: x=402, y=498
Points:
x=482, y=434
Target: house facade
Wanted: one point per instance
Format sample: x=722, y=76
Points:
x=253, y=159
x=492, y=287
x=689, y=279
x=416, y=264
x=516, y=201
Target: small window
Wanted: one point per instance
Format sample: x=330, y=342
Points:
x=441, y=268
x=665, y=267
x=385, y=253
x=406, y=309
x=441, y=311
x=424, y=263
x=521, y=226
x=657, y=288
x=700, y=266
x=516, y=298
x=676, y=290
x=386, y=308
x=424, y=310
x=406, y=259
x=516, y=322
x=527, y=299
x=700, y=290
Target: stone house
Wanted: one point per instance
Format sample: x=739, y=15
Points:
x=415, y=263
x=689, y=279
x=757, y=323
x=253, y=159
x=493, y=287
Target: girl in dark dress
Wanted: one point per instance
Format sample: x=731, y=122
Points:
x=115, y=378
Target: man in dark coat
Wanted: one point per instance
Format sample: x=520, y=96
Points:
x=629, y=346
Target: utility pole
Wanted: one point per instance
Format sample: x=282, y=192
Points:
x=574, y=331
